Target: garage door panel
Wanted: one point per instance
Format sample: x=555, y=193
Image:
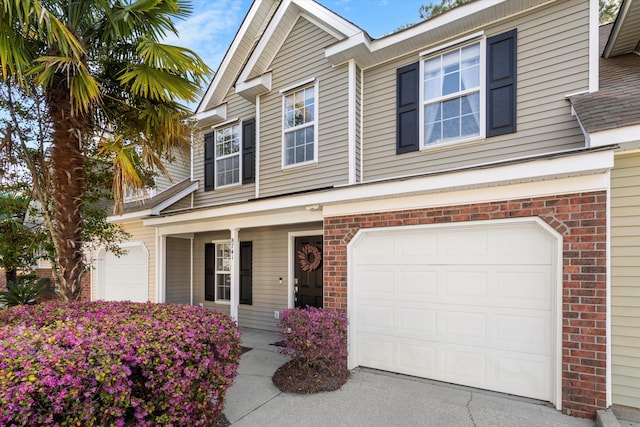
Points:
x=379, y=318
x=478, y=312
x=418, y=285
x=523, y=333
x=464, y=284
x=377, y=351
x=379, y=282
x=419, y=322
x=520, y=375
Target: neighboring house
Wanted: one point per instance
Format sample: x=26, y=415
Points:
x=447, y=186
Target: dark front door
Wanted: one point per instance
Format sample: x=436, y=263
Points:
x=308, y=271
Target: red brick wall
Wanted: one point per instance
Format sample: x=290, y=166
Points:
x=579, y=218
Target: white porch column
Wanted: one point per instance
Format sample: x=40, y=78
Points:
x=235, y=273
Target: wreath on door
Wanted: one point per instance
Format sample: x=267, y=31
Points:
x=309, y=257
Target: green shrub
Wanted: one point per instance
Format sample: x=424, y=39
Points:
x=27, y=291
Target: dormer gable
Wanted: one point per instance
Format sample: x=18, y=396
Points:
x=255, y=77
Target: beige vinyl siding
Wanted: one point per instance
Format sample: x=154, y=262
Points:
x=178, y=280
x=300, y=58
x=625, y=280
x=178, y=169
x=146, y=235
x=552, y=62
x=270, y=263
x=237, y=108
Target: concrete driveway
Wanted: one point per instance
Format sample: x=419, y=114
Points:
x=372, y=398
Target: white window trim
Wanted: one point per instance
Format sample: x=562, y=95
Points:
x=304, y=85
x=215, y=275
x=458, y=44
x=239, y=154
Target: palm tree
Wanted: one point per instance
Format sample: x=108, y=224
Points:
x=106, y=77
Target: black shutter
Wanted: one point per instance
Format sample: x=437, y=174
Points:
x=209, y=271
x=501, y=83
x=407, y=117
x=248, y=151
x=246, y=261
x=209, y=162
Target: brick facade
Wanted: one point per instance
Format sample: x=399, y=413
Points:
x=579, y=218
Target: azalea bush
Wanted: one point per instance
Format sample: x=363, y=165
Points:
x=315, y=337
x=115, y=364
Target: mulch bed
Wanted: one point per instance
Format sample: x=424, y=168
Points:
x=292, y=378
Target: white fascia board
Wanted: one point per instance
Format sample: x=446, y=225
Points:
x=264, y=41
x=173, y=199
x=538, y=170
x=622, y=135
x=254, y=87
x=248, y=20
x=325, y=15
x=256, y=220
x=439, y=21
x=576, y=184
x=209, y=117
x=333, y=24
x=594, y=46
x=128, y=217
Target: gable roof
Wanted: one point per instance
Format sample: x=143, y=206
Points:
x=243, y=43
x=612, y=115
x=154, y=205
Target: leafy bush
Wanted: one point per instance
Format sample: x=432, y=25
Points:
x=27, y=291
x=115, y=364
x=316, y=338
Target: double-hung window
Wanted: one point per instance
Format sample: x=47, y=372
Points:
x=300, y=127
x=223, y=272
x=227, y=152
x=451, y=101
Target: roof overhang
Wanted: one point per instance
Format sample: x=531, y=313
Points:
x=535, y=170
x=212, y=116
x=445, y=27
x=625, y=34
x=156, y=209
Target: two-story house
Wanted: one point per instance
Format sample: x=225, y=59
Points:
x=441, y=185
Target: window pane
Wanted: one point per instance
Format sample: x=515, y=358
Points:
x=451, y=128
x=432, y=132
x=471, y=103
x=470, y=56
x=470, y=78
x=432, y=68
x=289, y=156
x=470, y=125
x=451, y=83
x=451, y=108
x=451, y=62
x=289, y=140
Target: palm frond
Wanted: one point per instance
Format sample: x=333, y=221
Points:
x=157, y=84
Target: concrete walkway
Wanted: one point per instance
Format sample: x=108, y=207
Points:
x=372, y=398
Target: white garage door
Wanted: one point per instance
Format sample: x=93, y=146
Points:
x=125, y=277
x=472, y=305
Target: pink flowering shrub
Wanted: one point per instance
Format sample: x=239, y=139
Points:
x=316, y=338
x=115, y=364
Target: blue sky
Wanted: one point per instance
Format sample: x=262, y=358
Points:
x=211, y=28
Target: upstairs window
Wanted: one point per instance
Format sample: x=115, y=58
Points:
x=451, y=99
x=227, y=152
x=300, y=112
x=467, y=92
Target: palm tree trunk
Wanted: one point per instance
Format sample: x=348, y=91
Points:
x=68, y=186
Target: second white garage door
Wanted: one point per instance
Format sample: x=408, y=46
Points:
x=472, y=305
x=123, y=278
